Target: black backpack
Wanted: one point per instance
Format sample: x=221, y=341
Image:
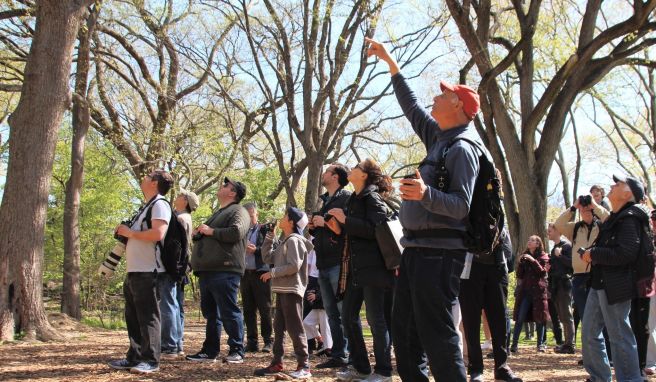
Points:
x=486, y=219
x=645, y=264
x=174, y=251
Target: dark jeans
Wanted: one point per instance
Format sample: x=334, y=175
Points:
x=142, y=317
x=485, y=289
x=328, y=279
x=289, y=308
x=256, y=297
x=525, y=306
x=426, y=291
x=580, y=295
x=218, y=303
x=374, y=299
x=562, y=299
x=639, y=319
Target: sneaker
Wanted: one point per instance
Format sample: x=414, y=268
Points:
x=375, y=377
x=266, y=348
x=564, y=349
x=331, y=364
x=487, y=345
x=350, y=374
x=145, y=368
x=650, y=370
x=201, y=357
x=122, y=364
x=171, y=355
x=476, y=377
x=301, y=373
x=513, y=349
x=542, y=349
x=506, y=375
x=273, y=369
x=323, y=351
x=234, y=358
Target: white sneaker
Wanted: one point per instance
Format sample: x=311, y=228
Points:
x=301, y=373
x=350, y=374
x=378, y=378
x=487, y=345
x=233, y=358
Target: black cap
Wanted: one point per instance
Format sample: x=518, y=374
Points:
x=636, y=186
x=239, y=187
x=299, y=218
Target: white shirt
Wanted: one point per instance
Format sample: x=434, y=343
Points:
x=143, y=256
x=312, y=264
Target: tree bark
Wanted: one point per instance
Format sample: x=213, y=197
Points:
x=70, y=301
x=32, y=139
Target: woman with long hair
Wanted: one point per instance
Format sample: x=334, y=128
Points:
x=531, y=302
x=364, y=277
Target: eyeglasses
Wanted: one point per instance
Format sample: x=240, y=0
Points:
x=359, y=167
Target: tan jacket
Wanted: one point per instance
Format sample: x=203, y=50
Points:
x=565, y=224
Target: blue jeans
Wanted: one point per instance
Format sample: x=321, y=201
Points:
x=218, y=303
x=580, y=291
x=169, y=314
x=328, y=279
x=180, y=297
x=422, y=320
x=625, y=351
x=524, y=308
x=374, y=300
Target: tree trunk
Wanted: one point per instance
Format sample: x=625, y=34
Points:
x=70, y=301
x=313, y=188
x=33, y=135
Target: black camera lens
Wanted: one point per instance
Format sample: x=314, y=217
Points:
x=585, y=200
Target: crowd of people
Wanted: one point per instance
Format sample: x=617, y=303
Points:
x=322, y=266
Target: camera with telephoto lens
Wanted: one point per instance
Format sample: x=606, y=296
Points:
x=585, y=200
x=120, y=238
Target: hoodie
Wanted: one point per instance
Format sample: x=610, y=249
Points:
x=289, y=273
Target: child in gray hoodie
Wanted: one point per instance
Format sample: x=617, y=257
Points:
x=288, y=280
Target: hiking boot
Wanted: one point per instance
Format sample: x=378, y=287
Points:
x=122, y=364
x=302, y=372
x=145, y=368
x=564, y=349
x=273, y=369
x=350, y=374
x=201, y=357
x=331, y=364
x=234, y=358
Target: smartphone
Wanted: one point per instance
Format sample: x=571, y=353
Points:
x=410, y=176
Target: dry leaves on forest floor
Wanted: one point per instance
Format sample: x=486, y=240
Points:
x=84, y=358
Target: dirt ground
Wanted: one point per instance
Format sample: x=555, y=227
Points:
x=84, y=355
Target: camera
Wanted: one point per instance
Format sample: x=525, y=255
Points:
x=120, y=238
x=197, y=236
x=268, y=227
x=585, y=200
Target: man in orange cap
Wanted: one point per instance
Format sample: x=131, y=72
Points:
x=434, y=215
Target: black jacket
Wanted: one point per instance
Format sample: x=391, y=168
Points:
x=259, y=264
x=364, y=212
x=615, y=252
x=328, y=246
x=561, y=266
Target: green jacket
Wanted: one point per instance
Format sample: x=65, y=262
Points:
x=224, y=251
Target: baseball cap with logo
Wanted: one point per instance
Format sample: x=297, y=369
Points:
x=471, y=102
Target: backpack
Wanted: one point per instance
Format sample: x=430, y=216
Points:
x=644, y=267
x=174, y=249
x=579, y=224
x=486, y=219
x=388, y=238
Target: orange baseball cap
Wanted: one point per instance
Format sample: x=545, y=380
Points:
x=471, y=102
